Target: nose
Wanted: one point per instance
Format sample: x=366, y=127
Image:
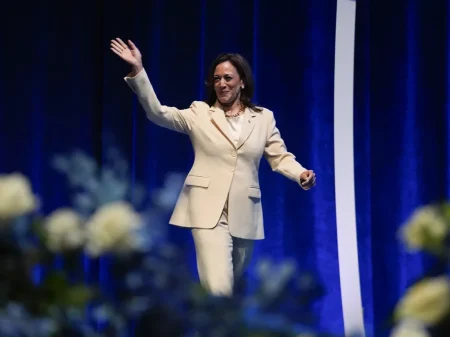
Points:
x=222, y=83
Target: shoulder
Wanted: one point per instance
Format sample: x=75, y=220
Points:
x=265, y=113
x=199, y=107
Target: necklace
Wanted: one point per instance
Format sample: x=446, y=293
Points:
x=241, y=110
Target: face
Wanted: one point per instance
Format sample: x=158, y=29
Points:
x=227, y=83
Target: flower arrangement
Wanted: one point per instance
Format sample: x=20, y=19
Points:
x=424, y=310
x=104, y=266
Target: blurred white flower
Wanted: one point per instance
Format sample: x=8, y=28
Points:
x=426, y=229
x=275, y=276
x=112, y=228
x=63, y=230
x=15, y=320
x=16, y=196
x=427, y=301
x=409, y=328
x=167, y=196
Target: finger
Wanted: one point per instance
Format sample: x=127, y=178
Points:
x=131, y=44
x=115, y=41
x=309, y=183
x=116, y=44
x=117, y=50
x=122, y=44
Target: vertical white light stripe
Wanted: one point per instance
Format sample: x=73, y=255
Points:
x=344, y=174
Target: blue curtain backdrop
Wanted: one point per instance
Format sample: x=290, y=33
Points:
x=402, y=139
x=62, y=89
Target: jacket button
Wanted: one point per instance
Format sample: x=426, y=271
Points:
x=233, y=154
x=231, y=169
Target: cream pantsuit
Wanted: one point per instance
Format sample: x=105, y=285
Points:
x=221, y=258
x=221, y=198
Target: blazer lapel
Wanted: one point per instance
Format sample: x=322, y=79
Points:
x=219, y=120
x=247, y=126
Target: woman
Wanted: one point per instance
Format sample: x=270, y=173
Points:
x=221, y=199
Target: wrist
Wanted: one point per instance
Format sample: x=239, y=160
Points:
x=136, y=69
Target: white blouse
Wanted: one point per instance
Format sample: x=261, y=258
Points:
x=235, y=124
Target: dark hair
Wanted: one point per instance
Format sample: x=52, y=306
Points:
x=245, y=73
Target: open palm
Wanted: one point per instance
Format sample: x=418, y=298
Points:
x=129, y=53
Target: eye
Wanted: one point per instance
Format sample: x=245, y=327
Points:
x=228, y=78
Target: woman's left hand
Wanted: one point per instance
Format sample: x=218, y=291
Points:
x=308, y=179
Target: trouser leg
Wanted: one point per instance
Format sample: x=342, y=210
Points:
x=213, y=248
x=242, y=254
x=221, y=258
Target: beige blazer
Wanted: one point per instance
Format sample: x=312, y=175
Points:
x=221, y=170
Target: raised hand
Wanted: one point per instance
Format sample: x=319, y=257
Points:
x=129, y=53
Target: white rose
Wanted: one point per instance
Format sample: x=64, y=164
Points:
x=112, y=229
x=63, y=230
x=428, y=301
x=425, y=230
x=16, y=196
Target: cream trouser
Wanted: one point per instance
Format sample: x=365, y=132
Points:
x=221, y=258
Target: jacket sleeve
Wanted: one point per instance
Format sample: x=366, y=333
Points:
x=280, y=160
x=164, y=116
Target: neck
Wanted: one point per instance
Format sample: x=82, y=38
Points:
x=235, y=106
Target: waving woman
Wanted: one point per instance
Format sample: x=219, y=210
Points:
x=221, y=199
